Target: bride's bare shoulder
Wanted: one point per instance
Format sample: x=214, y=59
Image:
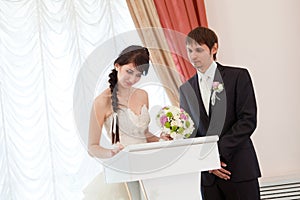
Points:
x=141, y=96
x=140, y=92
x=103, y=99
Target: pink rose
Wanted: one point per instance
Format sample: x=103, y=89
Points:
x=215, y=85
x=183, y=116
x=163, y=119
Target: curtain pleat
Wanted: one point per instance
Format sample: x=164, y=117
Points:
x=181, y=16
x=152, y=35
x=43, y=44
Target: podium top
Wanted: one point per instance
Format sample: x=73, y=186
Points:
x=161, y=159
x=171, y=143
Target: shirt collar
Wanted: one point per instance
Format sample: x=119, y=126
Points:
x=210, y=72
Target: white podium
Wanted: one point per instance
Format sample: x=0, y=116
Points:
x=166, y=170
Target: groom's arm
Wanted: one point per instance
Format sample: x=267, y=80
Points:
x=246, y=117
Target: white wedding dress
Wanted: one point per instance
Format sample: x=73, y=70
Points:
x=131, y=128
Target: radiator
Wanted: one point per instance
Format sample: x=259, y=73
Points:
x=281, y=190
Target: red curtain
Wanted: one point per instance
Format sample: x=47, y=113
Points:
x=181, y=16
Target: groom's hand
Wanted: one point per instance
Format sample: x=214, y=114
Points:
x=221, y=173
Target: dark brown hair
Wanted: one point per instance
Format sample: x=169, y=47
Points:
x=137, y=55
x=203, y=35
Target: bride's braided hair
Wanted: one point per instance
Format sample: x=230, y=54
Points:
x=133, y=54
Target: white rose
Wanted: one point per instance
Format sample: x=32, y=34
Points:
x=166, y=130
x=178, y=136
x=179, y=123
x=173, y=135
x=174, y=123
x=220, y=87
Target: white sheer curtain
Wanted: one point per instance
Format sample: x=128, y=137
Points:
x=43, y=44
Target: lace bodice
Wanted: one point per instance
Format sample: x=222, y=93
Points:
x=132, y=127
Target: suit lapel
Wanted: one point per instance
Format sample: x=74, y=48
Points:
x=218, y=110
x=219, y=75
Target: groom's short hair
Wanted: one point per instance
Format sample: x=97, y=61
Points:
x=203, y=35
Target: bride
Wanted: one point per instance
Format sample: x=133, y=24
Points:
x=123, y=111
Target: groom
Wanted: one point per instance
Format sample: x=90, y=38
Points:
x=221, y=101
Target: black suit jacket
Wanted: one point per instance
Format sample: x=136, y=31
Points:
x=232, y=117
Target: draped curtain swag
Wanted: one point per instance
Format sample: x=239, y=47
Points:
x=181, y=16
x=146, y=21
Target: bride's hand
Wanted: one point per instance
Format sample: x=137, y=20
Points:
x=165, y=137
x=117, y=148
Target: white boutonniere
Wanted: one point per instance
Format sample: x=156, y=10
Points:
x=217, y=87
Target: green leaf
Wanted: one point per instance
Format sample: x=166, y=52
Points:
x=167, y=125
x=169, y=114
x=180, y=130
x=187, y=124
x=174, y=128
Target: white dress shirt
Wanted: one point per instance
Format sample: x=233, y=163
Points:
x=205, y=84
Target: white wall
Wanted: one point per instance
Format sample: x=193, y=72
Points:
x=264, y=36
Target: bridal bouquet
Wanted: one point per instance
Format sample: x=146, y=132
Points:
x=175, y=122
